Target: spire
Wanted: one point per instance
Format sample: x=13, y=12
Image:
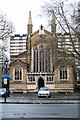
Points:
x=30, y=19
x=53, y=25
x=29, y=26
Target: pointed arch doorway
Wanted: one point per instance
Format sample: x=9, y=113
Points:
x=40, y=83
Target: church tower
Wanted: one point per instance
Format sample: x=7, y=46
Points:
x=29, y=26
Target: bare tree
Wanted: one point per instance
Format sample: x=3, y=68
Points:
x=66, y=43
x=63, y=13
x=6, y=28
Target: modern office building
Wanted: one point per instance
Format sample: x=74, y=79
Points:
x=17, y=44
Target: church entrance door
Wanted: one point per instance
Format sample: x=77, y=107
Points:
x=40, y=83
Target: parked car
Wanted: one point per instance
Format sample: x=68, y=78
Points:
x=44, y=92
x=4, y=92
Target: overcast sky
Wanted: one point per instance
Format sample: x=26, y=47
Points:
x=18, y=12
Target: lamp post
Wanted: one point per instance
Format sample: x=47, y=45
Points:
x=6, y=62
x=6, y=78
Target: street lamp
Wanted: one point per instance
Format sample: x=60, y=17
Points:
x=6, y=66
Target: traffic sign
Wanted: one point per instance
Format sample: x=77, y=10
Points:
x=5, y=81
x=6, y=76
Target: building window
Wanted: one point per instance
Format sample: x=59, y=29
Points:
x=18, y=73
x=41, y=54
x=36, y=60
x=41, y=59
x=50, y=79
x=47, y=60
x=31, y=78
x=63, y=72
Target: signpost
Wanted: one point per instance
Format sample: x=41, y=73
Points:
x=6, y=78
x=5, y=81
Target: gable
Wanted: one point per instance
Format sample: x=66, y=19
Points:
x=22, y=55
x=37, y=38
x=18, y=62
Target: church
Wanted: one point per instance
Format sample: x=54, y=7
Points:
x=32, y=65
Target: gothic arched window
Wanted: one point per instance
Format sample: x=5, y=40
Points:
x=17, y=73
x=47, y=60
x=41, y=59
x=63, y=72
x=41, y=55
x=36, y=60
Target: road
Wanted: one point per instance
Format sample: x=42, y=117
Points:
x=47, y=111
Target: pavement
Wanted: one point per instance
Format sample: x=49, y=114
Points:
x=31, y=98
x=40, y=119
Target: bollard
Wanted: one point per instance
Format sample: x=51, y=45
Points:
x=5, y=99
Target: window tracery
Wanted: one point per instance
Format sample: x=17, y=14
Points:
x=18, y=73
x=63, y=72
x=41, y=59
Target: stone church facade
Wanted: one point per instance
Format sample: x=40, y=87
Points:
x=34, y=67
